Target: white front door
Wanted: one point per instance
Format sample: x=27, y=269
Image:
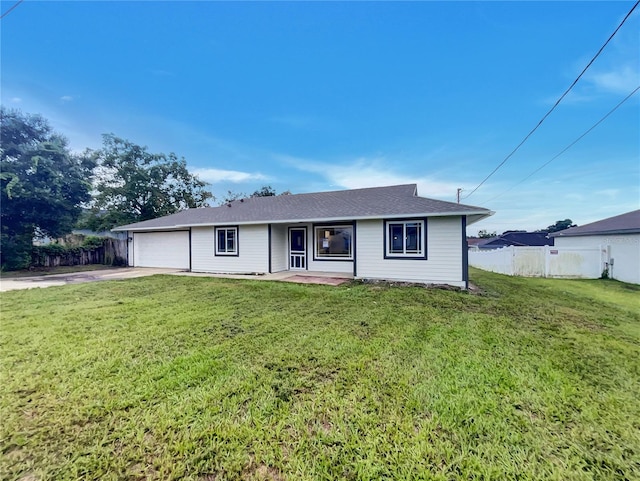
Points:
x=298, y=248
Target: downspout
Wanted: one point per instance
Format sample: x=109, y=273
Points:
x=190, y=265
x=353, y=246
x=465, y=253
x=269, y=244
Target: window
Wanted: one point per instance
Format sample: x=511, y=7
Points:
x=226, y=241
x=333, y=242
x=405, y=239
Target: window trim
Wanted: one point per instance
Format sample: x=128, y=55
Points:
x=410, y=256
x=317, y=227
x=224, y=253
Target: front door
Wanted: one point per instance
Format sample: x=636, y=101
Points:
x=298, y=248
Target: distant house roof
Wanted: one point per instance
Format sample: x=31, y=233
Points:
x=474, y=241
x=516, y=239
x=628, y=223
x=369, y=203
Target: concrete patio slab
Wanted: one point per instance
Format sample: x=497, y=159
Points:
x=306, y=277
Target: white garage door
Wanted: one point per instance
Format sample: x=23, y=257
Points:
x=161, y=249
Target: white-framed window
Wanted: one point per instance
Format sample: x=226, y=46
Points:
x=405, y=239
x=226, y=241
x=333, y=242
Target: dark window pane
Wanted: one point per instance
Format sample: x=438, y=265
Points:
x=231, y=240
x=333, y=241
x=221, y=242
x=297, y=240
x=396, y=238
x=413, y=235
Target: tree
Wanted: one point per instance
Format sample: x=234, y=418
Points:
x=42, y=184
x=484, y=234
x=133, y=185
x=230, y=196
x=264, y=191
x=560, y=225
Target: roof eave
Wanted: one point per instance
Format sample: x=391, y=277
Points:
x=600, y=232
x=472, y=217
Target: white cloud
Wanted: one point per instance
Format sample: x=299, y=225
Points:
x=16, y=100
x=574, y=196
x=611, y=193
x=363, y=172
x=214, y=176
x=66, y=98
x=621, y=80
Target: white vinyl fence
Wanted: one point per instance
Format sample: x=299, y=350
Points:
x=543, y=261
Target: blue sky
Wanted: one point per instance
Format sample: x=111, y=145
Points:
x=324, y=96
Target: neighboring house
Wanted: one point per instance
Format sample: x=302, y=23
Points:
x=514, y=238
x=376, y=233
x=618, y=238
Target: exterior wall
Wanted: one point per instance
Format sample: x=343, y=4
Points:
x=279, y=243
x=623, y=249
x=444, y=254
x=253, y=242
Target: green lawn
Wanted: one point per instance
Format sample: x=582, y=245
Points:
x=211, y=379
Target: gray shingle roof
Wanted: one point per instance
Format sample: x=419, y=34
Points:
x=628, y=223
x=375, y=202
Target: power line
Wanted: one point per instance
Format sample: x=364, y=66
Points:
x=11, y=8
x=568, y=146
x=557, y=101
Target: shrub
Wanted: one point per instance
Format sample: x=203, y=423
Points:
x=93, y=241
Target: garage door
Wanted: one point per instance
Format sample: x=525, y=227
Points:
x=161, y=249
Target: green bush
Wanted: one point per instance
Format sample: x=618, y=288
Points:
x=93, y=241
x=14, y=252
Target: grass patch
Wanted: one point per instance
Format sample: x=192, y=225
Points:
x=171, y=377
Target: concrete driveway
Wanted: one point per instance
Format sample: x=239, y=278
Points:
x=78, y=277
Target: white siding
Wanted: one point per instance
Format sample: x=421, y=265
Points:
x=344, y=267
x=444, y=254
x=253, y=250
x=161, y=249
x=624, y=249
x=278, y=248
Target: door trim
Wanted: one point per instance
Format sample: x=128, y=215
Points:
x=297, y=257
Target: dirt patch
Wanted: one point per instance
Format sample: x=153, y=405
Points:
x=385, y=284
x=329, y=281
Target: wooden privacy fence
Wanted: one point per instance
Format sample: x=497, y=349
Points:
x=112, y=252
x=541, y=261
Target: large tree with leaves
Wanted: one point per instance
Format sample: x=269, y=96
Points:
x=133, y=185
x=43, y=184
x=560, y=225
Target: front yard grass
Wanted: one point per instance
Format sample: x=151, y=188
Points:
x=197, y=378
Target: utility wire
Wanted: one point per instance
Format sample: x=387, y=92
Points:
x=12, y=7
x=568, y=146
x=557, y=102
